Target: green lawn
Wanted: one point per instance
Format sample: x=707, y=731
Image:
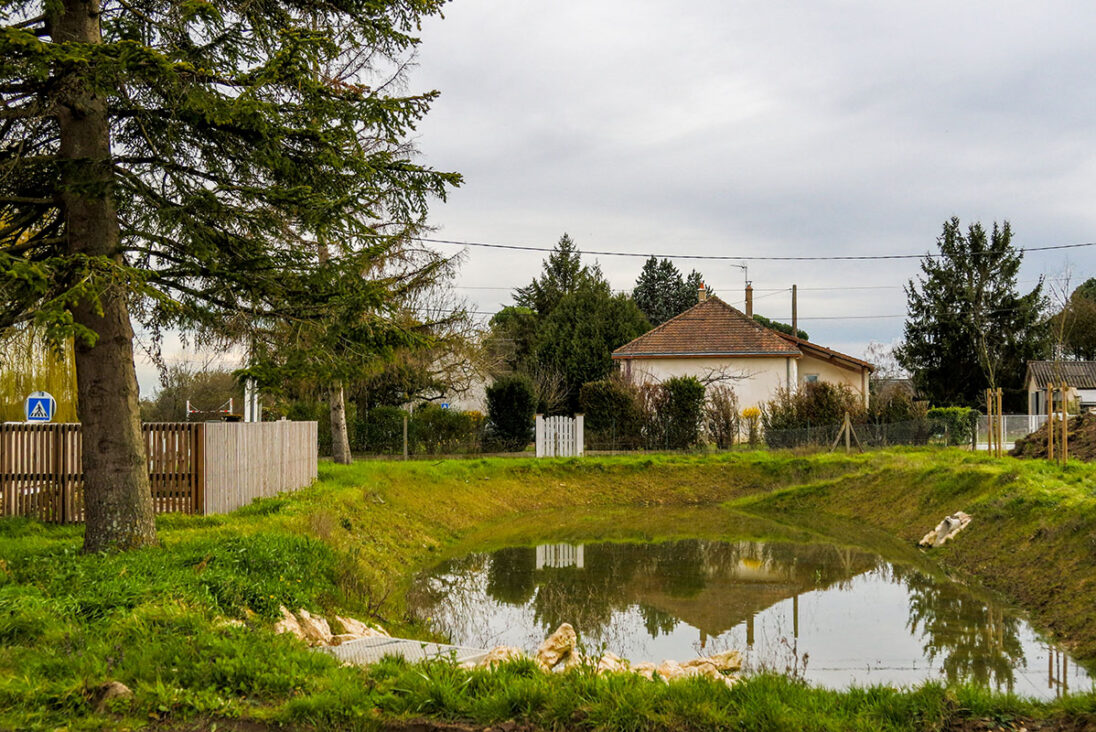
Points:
x=156, y=619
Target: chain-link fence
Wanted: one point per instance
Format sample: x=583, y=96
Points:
x=384, y=438
x=1013, y=427
x=925, y=431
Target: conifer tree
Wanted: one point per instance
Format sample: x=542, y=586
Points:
x=563, y=274
x=181, y=162
x=968, y=328
x=661, y=293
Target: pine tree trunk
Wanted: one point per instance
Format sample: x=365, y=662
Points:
x=117, y=499
x=340, y=439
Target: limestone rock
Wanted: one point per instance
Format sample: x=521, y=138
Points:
x=359, y=629
x=726, y=661
x=289, y=624
x=612, y=663
x=110, y=690
x=500, y=654
x=645, y=669
x=945, y=530
x=557, y=647
x=339, y=638
x=316, y=630
x=669, y=670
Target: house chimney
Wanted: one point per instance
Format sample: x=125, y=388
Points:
x=702, y=293
x=795, y=315
x=749, y=299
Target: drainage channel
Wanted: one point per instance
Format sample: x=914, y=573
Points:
x=365, y=651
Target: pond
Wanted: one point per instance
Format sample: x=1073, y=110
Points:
x=835, y=616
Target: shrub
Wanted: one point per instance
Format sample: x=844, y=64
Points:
x=684, y=411
x=435, y=430
x=815, y=404
x=955, y=424
x=380, y=430
x=612, y=412
x=511, y=404
x=722, y=418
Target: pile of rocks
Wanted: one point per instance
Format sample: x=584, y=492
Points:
x=560, y=650
x=316, y=631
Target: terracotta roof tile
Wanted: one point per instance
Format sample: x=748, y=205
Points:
x=710, y=328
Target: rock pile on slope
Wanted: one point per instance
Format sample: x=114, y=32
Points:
x=560, y=649
x=1081, y=434
x=316, y=631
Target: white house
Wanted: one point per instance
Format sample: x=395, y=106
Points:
x=1078, y=376
x=714, y=341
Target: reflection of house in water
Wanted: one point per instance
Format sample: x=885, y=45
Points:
x=712, y=586
x=559, y=556
x=742, y=579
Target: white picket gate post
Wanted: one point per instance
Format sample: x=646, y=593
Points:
x=559, y=436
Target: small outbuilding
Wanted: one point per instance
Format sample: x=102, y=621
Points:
x=1078, y=376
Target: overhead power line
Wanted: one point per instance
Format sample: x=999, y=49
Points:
x=724, y=257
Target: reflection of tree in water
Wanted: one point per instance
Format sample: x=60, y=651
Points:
x=510, y=575
x=657, y=622
x=977, y=641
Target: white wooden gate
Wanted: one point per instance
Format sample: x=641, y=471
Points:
x=559, y=436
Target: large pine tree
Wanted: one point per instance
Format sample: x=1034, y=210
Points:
x=182, y=162
x=967, y=327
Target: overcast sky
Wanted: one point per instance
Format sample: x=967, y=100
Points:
x=762, y=128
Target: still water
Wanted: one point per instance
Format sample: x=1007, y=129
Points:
x=834, y=615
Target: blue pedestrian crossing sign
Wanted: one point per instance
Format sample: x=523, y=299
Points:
x=40, y=407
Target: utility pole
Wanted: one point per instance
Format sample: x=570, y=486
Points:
x=795, y=314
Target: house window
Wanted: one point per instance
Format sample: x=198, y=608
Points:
x=810, y=378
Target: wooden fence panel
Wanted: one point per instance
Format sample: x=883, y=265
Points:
x=249, y=460
x=211, y=467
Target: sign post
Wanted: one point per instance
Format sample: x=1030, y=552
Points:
x=40, y=407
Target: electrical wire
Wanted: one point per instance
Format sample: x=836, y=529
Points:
x=724, y=257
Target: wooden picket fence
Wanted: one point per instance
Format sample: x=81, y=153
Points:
x=200, y=468
x=559, y=436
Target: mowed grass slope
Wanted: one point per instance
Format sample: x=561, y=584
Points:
x=156, y=619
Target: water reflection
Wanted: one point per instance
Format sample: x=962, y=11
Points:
x=974, y=640
x=860, y=619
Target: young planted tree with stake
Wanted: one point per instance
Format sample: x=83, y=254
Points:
x=183, y=163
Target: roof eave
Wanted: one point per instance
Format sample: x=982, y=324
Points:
x=755, y=354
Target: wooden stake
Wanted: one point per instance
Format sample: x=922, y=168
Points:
x=1000, y=423
x=1065, y=426
x=989, y=423
x=1050, y=422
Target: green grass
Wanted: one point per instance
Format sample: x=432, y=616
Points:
x=156, y=619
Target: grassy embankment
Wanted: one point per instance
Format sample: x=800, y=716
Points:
x=155, y=619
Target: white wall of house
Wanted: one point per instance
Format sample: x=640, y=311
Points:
x=757, y=379
x=824, y=370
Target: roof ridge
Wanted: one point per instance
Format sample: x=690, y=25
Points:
x=712, y=310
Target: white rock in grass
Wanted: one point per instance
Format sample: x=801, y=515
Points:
x=110, y=690
x=611, y=663
x=289, y=624
x=316, y=630
x=557, y=647
x=945, y=530
x=500, y=654
x=358, y=629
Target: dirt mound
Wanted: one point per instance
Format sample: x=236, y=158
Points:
x=1082, y=440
